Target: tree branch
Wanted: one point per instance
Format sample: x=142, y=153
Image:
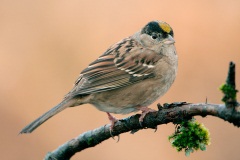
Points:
x=175, y=113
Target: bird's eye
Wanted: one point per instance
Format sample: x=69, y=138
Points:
x=154, y=37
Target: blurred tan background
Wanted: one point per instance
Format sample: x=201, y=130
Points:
x=45, y=44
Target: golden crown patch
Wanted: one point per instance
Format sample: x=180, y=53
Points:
x=165, y=27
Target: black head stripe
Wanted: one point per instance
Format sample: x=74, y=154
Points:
x=152, y=27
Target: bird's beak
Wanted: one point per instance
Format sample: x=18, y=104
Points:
x=169, y=40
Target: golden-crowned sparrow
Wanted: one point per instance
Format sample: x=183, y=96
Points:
x=128, y=77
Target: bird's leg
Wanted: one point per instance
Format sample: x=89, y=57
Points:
x=145, y=111
x=112, y=119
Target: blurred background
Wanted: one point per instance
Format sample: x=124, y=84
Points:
x=44, y=45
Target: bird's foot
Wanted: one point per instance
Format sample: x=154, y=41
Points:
x=145, y=111
x=112, y=120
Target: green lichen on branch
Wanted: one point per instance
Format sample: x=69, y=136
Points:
x=189, y=136
x=230, y=93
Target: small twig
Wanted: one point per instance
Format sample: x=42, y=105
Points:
x=231, y=75
x=229, y=88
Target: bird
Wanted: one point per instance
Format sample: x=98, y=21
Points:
x=128, y=77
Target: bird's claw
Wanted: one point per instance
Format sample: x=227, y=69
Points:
x=113, y=120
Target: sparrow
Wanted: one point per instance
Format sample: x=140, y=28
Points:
x=128, y=77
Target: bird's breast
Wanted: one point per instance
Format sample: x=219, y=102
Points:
x=127, y=99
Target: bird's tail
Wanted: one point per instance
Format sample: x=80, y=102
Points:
x=61, y=106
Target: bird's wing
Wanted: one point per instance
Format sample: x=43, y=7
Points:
x=121, y=65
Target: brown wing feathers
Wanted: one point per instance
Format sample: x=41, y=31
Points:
x=119, y=66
